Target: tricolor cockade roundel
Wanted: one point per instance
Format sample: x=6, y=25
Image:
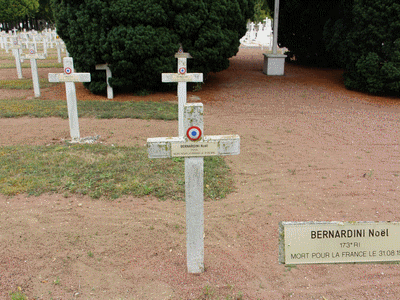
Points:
x=182, y=70
x=193, y=133
x=68, y=70
x=32, y=51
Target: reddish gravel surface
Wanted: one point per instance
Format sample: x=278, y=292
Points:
x=306, y=145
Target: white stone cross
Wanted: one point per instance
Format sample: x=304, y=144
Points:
x=194, y=146
x=59, y=46
x=16, y=47
x=33, y=56
x=110, y=91
x=182, y=77
x=70, y=77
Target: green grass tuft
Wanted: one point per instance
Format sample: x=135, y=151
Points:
x=18, y=296
x=12, y=108
x=25, y=65
x=102, y=171
x=24, y=84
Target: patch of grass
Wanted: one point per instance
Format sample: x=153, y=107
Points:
x=11, y=108
x=370, y=173
x=25, y=64
x=290, y=267
x=18, y=296
x=221, y=293
x=102, y=171
x=135, y=110
x=24, y=84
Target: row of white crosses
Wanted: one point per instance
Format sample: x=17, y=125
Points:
x=193, y=145
x=260, y=36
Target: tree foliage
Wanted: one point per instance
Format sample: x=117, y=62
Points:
x=138, y=38
x=366, y=41
x=362, y=36
x=301, y=24
x=45, y=11
x=13, y=10
x=261, y=11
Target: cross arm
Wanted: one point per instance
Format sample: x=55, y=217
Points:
x=211, y=145
x=102, y=67
x=74, y=77
x=33, y=56
x=227, y=144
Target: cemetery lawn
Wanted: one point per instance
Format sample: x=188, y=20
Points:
x=10, y=108
x=102, y=171
x=102, y=221
x=24, y=84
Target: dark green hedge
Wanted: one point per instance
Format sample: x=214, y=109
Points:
x=138, y=38
x=373, y=44
x=361, y=36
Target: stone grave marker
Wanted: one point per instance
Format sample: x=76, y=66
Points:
x=110, y=91
x=33, y=56
x=274, y=64
x=70, y=77
x=16, y=47
x=182, y=77
x=252, y=36
x=338, y=242
x=6, y=42
x=193, y=146
x=60, y=46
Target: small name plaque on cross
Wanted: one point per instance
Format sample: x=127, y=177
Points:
x=194, y=146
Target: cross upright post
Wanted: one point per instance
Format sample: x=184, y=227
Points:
x=182, y=77
x=59, y=46
x=15, y=49
x=194, y=146
x=70, y=77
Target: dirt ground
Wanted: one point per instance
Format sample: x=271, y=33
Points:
x=310, y=151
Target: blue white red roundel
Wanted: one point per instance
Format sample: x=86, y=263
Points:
x=68, y=71
x=193, y=133
x=32, y=51
x=182, y=70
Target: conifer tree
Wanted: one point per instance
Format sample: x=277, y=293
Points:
x=138, y=38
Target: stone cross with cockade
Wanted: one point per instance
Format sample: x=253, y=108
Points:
x=193, y=146
x=33, y=56
x=182, y=77
x=70, y=77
